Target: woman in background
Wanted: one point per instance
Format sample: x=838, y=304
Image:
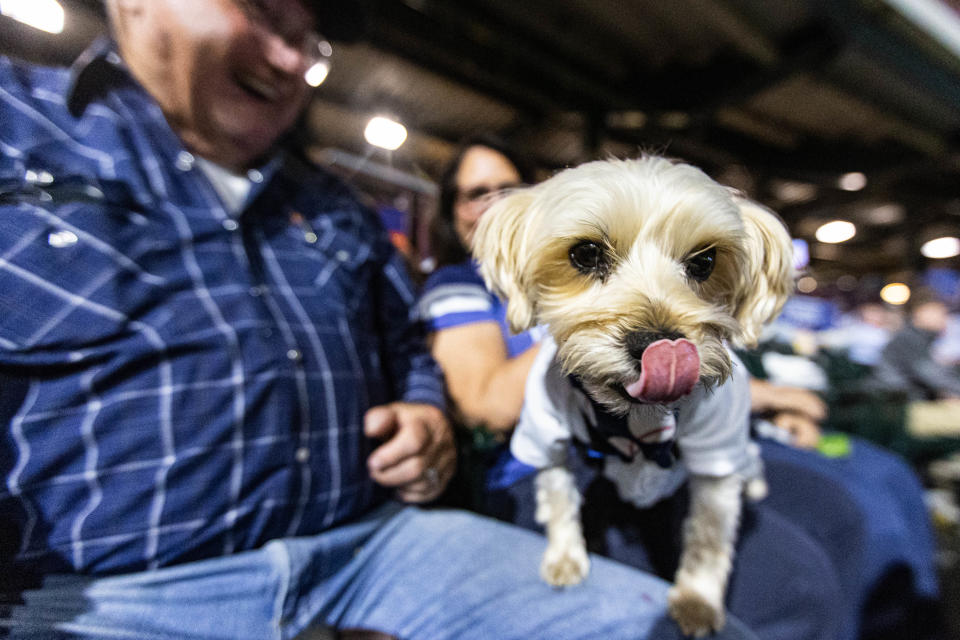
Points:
x=485, y=364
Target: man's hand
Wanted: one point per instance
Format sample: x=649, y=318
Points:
x=418, y=456
x=804, y=431
x=765, y=396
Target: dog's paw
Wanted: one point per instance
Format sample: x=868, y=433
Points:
x=696, y=614
x=564, y=566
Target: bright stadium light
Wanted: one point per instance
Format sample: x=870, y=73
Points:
x=46, y=15
x=317, y=73
x=836, y=231
x=385, y=133
x=946, y=247
x=895, y=293
x=853, y=181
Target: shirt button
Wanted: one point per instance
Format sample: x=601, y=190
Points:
x=62, y=239
x=256, y=291
x=185, y=161
x=38, y=177
x=302, y=454
x=113, y=58
x=294, y=355
x=230, y=224
x=310, y=237
x=342, y=255
x=255, y=176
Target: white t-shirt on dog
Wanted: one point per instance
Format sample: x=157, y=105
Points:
x=711, y=429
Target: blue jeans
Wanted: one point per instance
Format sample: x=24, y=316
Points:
x=409, y=572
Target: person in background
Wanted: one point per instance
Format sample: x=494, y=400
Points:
x=863, y=333
x=946, y=348
x=485, y=364
x=907, y=369
x=794, y=411
x=906, y=364
x=216, y=409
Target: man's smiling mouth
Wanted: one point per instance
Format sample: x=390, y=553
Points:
x=258, y=88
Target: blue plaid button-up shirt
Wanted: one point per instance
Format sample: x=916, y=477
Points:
x=176, y=382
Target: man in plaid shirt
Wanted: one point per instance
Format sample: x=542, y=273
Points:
x=214, y=397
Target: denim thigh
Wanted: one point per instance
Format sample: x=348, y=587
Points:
x=414, y=573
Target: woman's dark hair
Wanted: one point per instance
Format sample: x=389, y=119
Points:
x=445, y=245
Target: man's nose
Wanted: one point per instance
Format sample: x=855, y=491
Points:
x=285, y=57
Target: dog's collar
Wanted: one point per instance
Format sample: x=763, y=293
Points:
x=611, y=434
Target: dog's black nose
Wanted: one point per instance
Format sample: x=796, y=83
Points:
x=638, y=341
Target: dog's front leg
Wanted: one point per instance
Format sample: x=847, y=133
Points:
x=710, y=531
x=565, y=562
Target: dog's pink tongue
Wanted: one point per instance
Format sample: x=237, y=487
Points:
x=670, y=369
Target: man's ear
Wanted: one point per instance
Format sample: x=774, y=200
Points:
x=768, y=280
x=499, y=247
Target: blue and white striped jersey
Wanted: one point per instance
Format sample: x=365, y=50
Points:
x=455, y=295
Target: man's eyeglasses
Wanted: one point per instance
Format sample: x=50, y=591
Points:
x=265, y=15
x=486, y=193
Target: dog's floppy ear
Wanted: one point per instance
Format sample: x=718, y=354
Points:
x=769, y=276
x=498, y=244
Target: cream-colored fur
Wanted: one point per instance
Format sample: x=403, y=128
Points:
x=648, y=220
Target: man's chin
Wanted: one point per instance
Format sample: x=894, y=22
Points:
x=253, y=129
x=244, y=147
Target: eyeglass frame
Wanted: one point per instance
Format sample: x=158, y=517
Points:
x=314, y=47
x=484, y=193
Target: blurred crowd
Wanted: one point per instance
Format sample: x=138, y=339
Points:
x=888, y=373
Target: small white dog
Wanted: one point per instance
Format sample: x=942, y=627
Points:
x=642, y=271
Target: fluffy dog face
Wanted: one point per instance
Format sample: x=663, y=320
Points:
x=618, y=256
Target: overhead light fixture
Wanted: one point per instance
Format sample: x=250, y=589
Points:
x=836, y=231
x=946, y=247
x=853, y=181
x=385, y=133
x=316, y=74
x=895, y=293
x=46, y=15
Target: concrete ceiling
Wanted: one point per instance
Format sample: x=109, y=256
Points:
x=777, y=98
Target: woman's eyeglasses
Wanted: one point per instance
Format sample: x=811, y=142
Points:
x=484, y=193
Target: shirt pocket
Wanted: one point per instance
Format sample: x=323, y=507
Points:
x=340, y=274
x=67, y=278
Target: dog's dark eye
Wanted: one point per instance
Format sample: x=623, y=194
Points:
x=588, y=257
x=700, y=266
